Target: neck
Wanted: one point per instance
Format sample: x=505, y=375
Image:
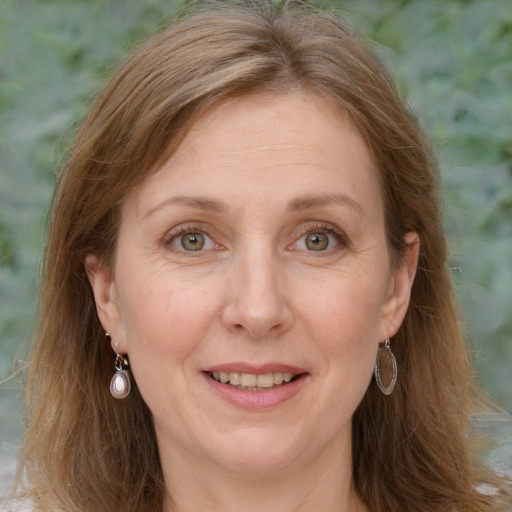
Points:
x=317, y=486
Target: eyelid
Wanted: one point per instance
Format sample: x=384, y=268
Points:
x=327, y=228
x=188, y=228
x=312, y=227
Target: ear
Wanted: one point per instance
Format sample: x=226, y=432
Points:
x=105, y=296
x=399, y=293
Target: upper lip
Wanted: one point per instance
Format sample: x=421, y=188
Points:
x=241, y=367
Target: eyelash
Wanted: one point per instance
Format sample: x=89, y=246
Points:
x=327, y=229
x=183, y=230
x=306, y=230
x=188, y=229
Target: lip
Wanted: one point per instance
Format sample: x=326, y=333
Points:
x=257, y=400
x=241, y=367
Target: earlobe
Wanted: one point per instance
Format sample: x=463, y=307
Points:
x=398, y=299
x=105, y=294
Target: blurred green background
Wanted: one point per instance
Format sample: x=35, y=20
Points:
x=452, y=60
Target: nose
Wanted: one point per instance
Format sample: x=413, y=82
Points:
x=257, y=305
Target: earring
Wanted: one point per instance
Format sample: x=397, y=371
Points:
x=120, y=384
x=387, y=390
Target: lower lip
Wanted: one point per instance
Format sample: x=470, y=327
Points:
x=257, y=400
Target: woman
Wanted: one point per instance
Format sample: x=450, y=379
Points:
x=248, y=228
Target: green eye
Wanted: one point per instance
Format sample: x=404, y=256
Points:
x=317, y=241
x=192, y=241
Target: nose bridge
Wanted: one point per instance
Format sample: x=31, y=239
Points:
x=257, y=304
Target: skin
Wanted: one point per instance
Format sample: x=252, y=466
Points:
x=259, y=175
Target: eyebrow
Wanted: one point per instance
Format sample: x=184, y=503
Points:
x=309, y=202
x=201, y=203
x=296, y=205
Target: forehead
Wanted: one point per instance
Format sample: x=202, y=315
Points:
x=273, y=122
x=248, y=147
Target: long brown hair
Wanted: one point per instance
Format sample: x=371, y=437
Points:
x=85, y=451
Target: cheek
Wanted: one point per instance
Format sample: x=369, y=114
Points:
x=344, y=320
x=345, y=314
x=164, y=320
x=349, y=343
x=165, y=323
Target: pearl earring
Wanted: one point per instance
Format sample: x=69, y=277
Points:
x=120, y=385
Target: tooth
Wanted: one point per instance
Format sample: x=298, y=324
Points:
x=251, y=380
x=248, y=380
x=265, y=381
x=278, y=378
x=234, y=379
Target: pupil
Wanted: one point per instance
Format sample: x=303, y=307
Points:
x=317, y=241
x=193, y=242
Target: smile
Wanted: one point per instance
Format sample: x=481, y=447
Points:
x=252, y=381
x=256, y=388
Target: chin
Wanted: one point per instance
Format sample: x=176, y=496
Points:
x=257, y=451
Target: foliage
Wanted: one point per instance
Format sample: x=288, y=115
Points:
x=453, y=62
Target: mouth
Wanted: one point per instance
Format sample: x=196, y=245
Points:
x=253, y=381
x=256, y=388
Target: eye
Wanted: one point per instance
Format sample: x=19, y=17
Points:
x=320, y=238
x=191, y=240
x=316, y=241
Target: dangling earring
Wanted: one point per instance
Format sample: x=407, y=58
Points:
x=387, y=390
x=120, y=384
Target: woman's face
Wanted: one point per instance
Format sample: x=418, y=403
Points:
x=255, y=255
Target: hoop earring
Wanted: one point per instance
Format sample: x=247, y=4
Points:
x=120, y=385
x=387, y=390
